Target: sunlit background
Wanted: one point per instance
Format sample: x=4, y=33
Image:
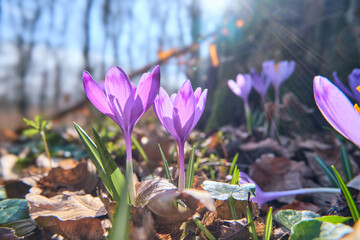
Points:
x=45, y=46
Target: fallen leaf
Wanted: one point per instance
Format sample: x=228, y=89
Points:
x=85, y=228
x=65, y=207
x=83, y=176
x=300, y=206
x=278, y=174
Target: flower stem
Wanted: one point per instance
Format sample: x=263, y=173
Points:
x=129, y=167
x=42, y=133
x=181, y=164
x=248, y=117
x=268, y=196
x=275, y=119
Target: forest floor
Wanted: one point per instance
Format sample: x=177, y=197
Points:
x=65, y=199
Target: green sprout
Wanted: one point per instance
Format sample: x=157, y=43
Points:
x=38, y=126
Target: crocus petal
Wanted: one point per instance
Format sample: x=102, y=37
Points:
x=169, y=125
x=341, y=86
x=148, y=87
x=182, y=129
x=118, y=84
x=118, y=112
x=197, y=95
x=200, y=106
x=244, y=81
x=96, y=95
x=354, y=83
x=184, y=102
x=234, y=87
x=337, y=109
x=163, y=108
x=137, y=110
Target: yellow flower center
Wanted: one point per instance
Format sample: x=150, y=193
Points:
x=357, y=108
x=276, y=67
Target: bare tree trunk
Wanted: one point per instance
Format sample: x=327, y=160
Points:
x=25, y=49
x=86, y=46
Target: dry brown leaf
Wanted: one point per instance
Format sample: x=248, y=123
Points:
x=142, y=224
x=299, y=205
x=234, y=230
x=16, y=189
x=85, y=228
x=8, y=234
x=81, y=177
x=149, y=189
x=158, y=195
x=267, y=143
x=278, y=174
x=65, y=207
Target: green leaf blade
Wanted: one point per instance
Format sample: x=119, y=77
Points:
x=328, y=171
x=268, y=225
x=190, y=170
x=350, y=201
x=166, y=165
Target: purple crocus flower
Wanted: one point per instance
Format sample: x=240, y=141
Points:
x=123, y=102
x=337, y=109
x=262, y=197
x=179, y=114
x=242, y=88
x=354, y=83
x=278, y=73
x=260, y=83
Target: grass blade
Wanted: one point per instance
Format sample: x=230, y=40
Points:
x=94, y=155
x=142, y=153
x=166, y=165
x=110, y=167
x=203, y=228
x=107, y=170
x=232, y=208
x=345, y=162
x=233, y=163
x=328, y=171
x=251, y=224
x=120, y=228
x=268, y=225
x=190, y=171
x=350, y=201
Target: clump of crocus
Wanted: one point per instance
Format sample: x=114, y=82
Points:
x=337, y=109
x=262, y=197
x=278, y=73
x=179, y=114
x=123, y=102
x=261, y=83
x=354, y=83
x=242, y=88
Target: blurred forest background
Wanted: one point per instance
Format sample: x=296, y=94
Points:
x=46, y=44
